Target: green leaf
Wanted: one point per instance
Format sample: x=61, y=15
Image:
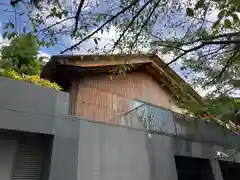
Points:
x=34, y=28
x=11, y=25
x=54, y=11
x=95, y=41
x=65, y=13
x=215, y=24
x=47, y=44
x=6, y=26
x=42, y=43
x=5, y=34
x=24, y=30
x=182, y=68
x=10, y=35
x=59, y=15
x=235, y=18
x=222, y=4
x=221, y=14
x=190, y=12
x=227, y=23
x=199, y=4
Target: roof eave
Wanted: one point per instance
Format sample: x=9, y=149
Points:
x=157, y=63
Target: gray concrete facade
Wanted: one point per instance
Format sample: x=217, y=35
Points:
x=8, y=149
x=83, y=149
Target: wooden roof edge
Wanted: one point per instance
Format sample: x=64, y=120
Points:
x=86, y=56
x=76, y=60
x=168, y=71
x=175, y=78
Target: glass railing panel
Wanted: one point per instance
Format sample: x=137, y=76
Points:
x=150, y=117
x=160, y=120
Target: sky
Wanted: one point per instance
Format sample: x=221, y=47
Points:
x=6, y=12
x=107, y=38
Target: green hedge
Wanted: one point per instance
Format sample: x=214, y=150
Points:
x=31, y=79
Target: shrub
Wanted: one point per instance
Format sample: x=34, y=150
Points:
x=31, y=79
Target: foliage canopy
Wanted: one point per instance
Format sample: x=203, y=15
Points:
x=21, y=55
x=200, y=36
x=20, y=61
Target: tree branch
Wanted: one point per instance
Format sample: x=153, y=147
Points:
x=219, y=53
x=229, y=62
x=144, y=24
x=215, y=51
x=206, y=39
x=227, y=35
x=223, y=42
x=102, y=26
x=59, y=22
x=129, y=25
x=202, y=45
x=77, y=16
x=174, y=47
x=185, y=52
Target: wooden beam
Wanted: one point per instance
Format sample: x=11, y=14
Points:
x=106, y=61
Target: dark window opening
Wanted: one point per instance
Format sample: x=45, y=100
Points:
x=193, y=168
x=33, y=154
x=230, y=170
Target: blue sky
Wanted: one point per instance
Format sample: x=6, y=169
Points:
x=107, y=38
x=64, y=41
x=7, y=14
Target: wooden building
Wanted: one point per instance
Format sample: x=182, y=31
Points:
x=98, y=94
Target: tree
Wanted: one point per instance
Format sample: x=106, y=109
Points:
x=20, y=61
x=21, y=55
x=208, y=48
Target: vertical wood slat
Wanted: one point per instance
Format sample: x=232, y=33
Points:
x=100, y=99
x=73, y=97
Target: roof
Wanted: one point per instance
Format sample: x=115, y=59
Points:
x=61, y=68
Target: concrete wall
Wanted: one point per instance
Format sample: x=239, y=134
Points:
x=32, y=99
x=91, y=150
x=65, y=150
x=8, y=149
x=28, y=107
x=109, y=152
